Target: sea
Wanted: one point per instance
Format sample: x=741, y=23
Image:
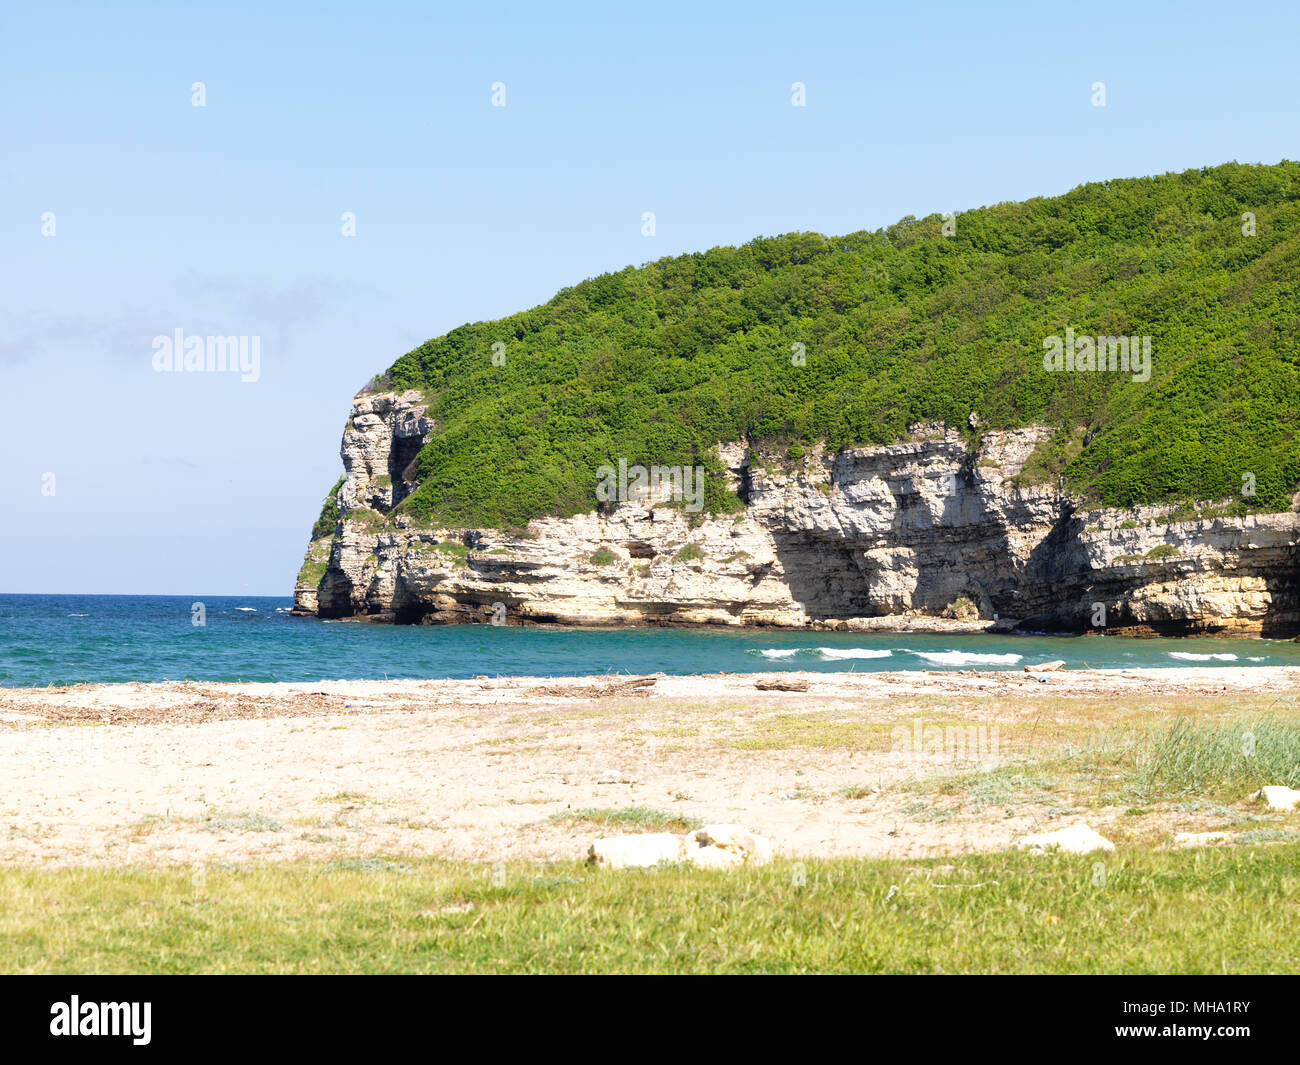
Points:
x=71, y=639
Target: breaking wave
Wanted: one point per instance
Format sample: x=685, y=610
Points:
x=827, y=654
x=963, y=658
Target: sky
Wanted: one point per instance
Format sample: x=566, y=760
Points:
x=127, y=212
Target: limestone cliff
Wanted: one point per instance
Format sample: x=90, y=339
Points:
x=897, y=536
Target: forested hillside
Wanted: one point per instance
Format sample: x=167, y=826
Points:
x=658, y=363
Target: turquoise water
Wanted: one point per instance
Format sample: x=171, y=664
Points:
x=64, y=639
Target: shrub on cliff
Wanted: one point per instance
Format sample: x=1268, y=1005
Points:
x=329, y=513
x=802, y=337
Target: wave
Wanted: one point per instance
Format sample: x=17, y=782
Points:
x=247, y=609
x=834, y=654
x=78, y=615
x=1190, y=656
x=962, y=658
x=780, y=652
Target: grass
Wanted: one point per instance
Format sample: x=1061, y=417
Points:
x=448, y=547
x=241, y=822
x=1222, y=758
x=353, y=798
x=211, y=821
x=924, y=812
x=790, y=730
x=1199, y=911
x=1010, y=787
x=366, y=518
x=639, y=818
x=1276, y=834
x=311, y=572
x=936, y=739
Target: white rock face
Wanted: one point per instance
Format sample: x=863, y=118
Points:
x=873, y=537
x=1278, y=797
x=1076, y=839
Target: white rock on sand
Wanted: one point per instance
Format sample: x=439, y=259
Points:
x=728, y=846
x=1278, y=797
x=713, y=847
x=636, y=852
x=1077, y=839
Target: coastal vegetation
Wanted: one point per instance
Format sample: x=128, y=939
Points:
x=1208, y=910
x=329, y=514
x=801, y=338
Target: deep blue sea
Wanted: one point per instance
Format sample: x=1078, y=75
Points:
x=65, y=639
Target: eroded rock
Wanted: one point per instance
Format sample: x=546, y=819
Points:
x=854, y=540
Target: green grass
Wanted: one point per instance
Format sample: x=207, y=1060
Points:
x=1276, y=834
x=311, y=572
x=447, y=547
x=366, y=518
x=1227, y=759
x=241, y=822
x=1200, y=911
x=629, y=817
x=1195, y=766
x=818, y=729
x=329, y=513
x=351, y=798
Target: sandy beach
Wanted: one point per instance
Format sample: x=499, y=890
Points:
x=526, y=768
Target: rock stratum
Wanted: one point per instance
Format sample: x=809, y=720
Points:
x=941, y=531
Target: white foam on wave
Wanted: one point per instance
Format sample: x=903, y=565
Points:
x=962, y=658
x=780, y=652
x=247, y=609
x=78, y=615
x=835, y=653
x=1191, y=656
x=1264, y=659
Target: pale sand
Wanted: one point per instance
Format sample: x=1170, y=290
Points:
x=476, y=769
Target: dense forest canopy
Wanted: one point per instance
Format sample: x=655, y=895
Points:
x=658, y=363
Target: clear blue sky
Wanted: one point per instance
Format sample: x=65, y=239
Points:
x=225, y=219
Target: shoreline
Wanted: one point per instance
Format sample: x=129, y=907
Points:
x=1067, y=680
x=535, y=768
